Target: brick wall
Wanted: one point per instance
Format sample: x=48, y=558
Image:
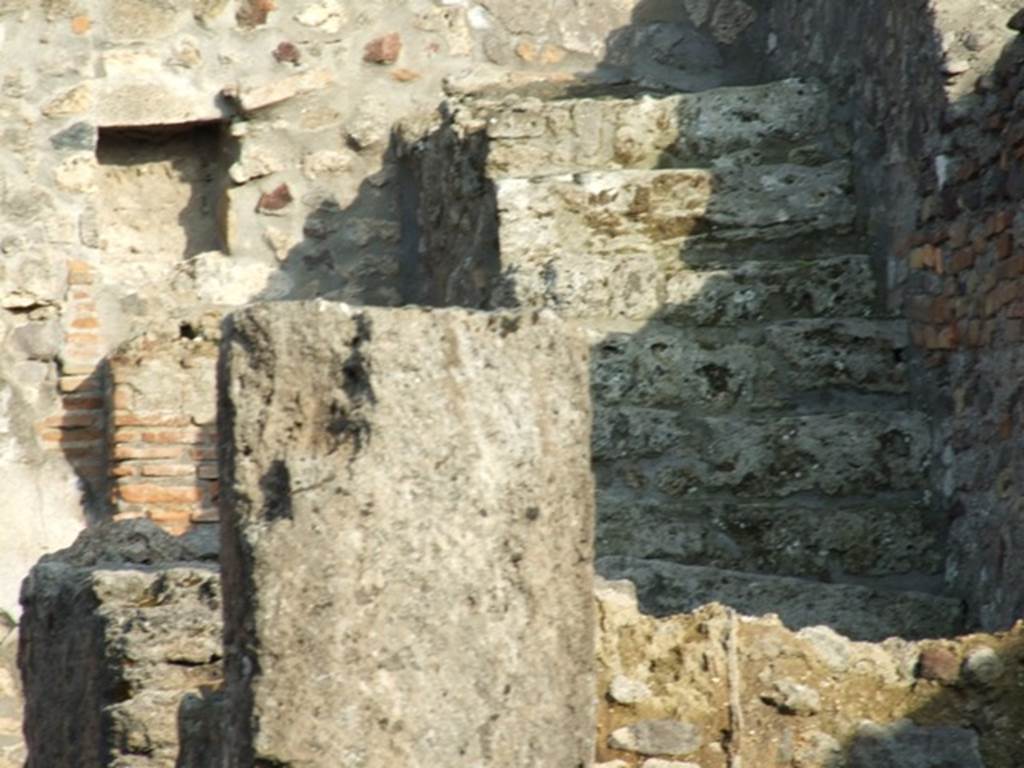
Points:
x=966, y=310
x=78, y=428
x=163, y=434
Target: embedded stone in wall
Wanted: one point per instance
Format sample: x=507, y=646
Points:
x=162, y=427
x=408, y=544
x=116, y=631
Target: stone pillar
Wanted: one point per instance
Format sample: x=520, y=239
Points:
x=407, y=539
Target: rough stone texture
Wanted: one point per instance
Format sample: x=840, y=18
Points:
x=765, y=123
x=114, y=631
x=393, y=593
x=904, y=745
x=806, y=699
x=481, y=159
x=139, y=137
x=936, y=138
x=858, y=612
x=789, y=538
x=739, y=362
x=966, y=306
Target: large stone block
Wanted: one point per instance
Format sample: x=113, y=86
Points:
x=116, y=631
x=772, y=122
x=840, y=454
x=407, y=521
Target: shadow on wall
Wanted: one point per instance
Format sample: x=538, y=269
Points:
x=747, y=382
x=753, y=406
x=160, y=186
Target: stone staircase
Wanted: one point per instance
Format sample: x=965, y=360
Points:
x=754, y=439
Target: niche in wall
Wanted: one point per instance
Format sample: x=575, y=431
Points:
x=161, y=192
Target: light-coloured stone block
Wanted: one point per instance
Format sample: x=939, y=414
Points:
x=408, y=521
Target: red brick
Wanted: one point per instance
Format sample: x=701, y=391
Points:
x=926, y=257
x=1002, y=221
x=168, y=470
x=129, y=419
x=1004, y=245
x=78, y=402
x=171, y=436
x=74, y=419
x=79, y=272
x=83, y=450
x=50, y=435
x=146, y=453
x=961, y=259
x=148, y=493
x=72, y=436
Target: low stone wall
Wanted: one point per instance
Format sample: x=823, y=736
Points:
x=115, y=631
x=714, y=689
x=408, y=552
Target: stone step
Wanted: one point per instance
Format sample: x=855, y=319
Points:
x=625, y=212
x=858, y=612
x=810, y=365
x=887, y=541
x=784, y=121
x=642, y=285
x=665, y=452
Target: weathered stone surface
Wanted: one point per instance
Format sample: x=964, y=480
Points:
x=684, y=661
x=660, y=283
x=774, y=457
x=115, y=630
x=420, y=593
x=775, y=122
x=905, y=745
x=813, y=537
x=658, y=737
x=634, y=210
x=792, y=364
x=12, y=741
x=858, y=612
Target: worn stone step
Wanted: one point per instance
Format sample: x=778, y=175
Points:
x=669, y=453
x=858, y=612
x=886, y=540
x=642, y=285
x=783, y=121
x=624, y=212
x=804, y=364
